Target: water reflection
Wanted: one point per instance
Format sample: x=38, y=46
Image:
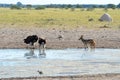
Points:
x=32, y=54
x=42, y=53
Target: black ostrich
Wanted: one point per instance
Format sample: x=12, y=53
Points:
x=42, y=44
x=31, y=40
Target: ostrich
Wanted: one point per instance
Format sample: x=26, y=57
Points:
x=31, y=40
x=42, y=44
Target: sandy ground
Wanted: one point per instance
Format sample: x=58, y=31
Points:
x=104, y=37
x=82, y=77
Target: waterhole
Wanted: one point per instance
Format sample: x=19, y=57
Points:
x=54, y=62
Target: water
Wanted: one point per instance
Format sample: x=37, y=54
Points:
x=54, y=54
x=53, y=62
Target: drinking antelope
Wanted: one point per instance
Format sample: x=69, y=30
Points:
x=88, y=42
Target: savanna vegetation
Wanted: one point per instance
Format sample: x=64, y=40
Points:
x=56, y=17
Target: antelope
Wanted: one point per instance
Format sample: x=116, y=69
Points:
x=88, y=42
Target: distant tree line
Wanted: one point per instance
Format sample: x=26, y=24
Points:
x=19, y=5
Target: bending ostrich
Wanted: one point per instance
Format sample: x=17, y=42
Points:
x=88, y=42
x=31, y=40
x=42, y=44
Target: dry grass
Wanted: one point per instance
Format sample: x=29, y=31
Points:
x=57, y=18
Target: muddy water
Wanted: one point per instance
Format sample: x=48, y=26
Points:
x=26, y=62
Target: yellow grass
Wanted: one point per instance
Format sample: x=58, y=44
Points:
x=57, y=18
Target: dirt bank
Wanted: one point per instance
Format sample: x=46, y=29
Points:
x=104, y=37
x=82, y=77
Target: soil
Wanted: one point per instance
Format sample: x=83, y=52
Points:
x=104, y=37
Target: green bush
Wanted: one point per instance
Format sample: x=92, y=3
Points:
x=40, y=7
x=15, y=7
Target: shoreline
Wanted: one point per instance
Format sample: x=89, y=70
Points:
x=108, y=76
x=104, y=38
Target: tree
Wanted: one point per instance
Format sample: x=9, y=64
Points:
x=78, y=6
x=28, y=6
x=111, y=6
x=19, y=4
x=94, y=6
x=40, y=7
x=14, y=7
x=101, y=6
x=118, y=6
x=69, y=6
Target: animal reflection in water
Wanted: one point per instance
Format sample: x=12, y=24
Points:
x=31, y=54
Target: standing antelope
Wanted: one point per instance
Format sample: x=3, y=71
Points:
x=88, y=42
